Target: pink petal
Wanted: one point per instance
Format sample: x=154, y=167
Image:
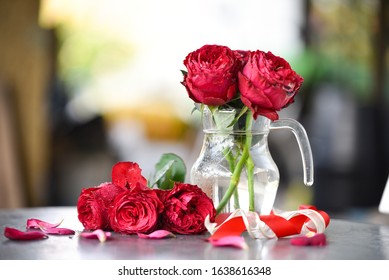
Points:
x=99, y=234
x=58, y=231
x=158, y=234
x=15, y=234
x=319, y=239
x=232, y=241
x=37, y=224
x=300, y=241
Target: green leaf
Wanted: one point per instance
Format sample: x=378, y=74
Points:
x=242, y=112
x=168, y=170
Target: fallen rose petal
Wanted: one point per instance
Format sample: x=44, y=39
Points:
x=99, y=234
x=300, y=241
x=37, y=224
x=158, y=234
x=231, y=227
x=15, y=234
x=58, y=231
x=318, y=239
x=232, y=241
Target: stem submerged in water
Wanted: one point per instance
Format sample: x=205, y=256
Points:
x=236, y=170
x=231, y=162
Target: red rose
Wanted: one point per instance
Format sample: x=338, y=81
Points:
x=135, y=211
x=267, y=84
x=212, y=75
x=186, y=207
x=242, y=56
x=127, y=174
x=93, y=204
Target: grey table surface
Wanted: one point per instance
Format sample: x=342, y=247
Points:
x=346, y=241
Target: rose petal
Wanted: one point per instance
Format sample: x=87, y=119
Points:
x=15, y=234
x=232, y=241
x=127, y=174
x=318, y=239
x=58, y=231
x=231, y=227
x=99, y=234
x=158, y=234
x=300, y=241
x=37, y=224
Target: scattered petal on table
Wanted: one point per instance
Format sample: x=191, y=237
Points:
x=234, y=226
x=318, y=239
x=99, y=234
x=57, y=231
x=232, y=241
x=158, y=234
x=15, y=234
x=37, y=224
x=300, y=241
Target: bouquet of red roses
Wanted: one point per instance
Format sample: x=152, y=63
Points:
x=218, y=76
x=130, y=204
x=247, y=83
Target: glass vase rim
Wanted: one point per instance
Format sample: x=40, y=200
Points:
x=227, y=110
x=259, y=125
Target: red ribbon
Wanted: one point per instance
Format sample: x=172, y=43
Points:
x=279, y=225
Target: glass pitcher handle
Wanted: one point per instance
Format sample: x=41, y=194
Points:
x=303, y=143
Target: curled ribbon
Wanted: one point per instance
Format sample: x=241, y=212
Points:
x=275, y=225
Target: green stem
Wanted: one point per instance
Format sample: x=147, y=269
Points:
x=250, y=182
x=250, y=163
x=239, y=167
x=231, y=162
x=236, y=199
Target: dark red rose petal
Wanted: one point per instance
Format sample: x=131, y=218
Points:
x=15, y=234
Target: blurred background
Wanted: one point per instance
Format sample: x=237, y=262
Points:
x=87, y=83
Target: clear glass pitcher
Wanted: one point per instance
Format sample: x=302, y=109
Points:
x=235, y=167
